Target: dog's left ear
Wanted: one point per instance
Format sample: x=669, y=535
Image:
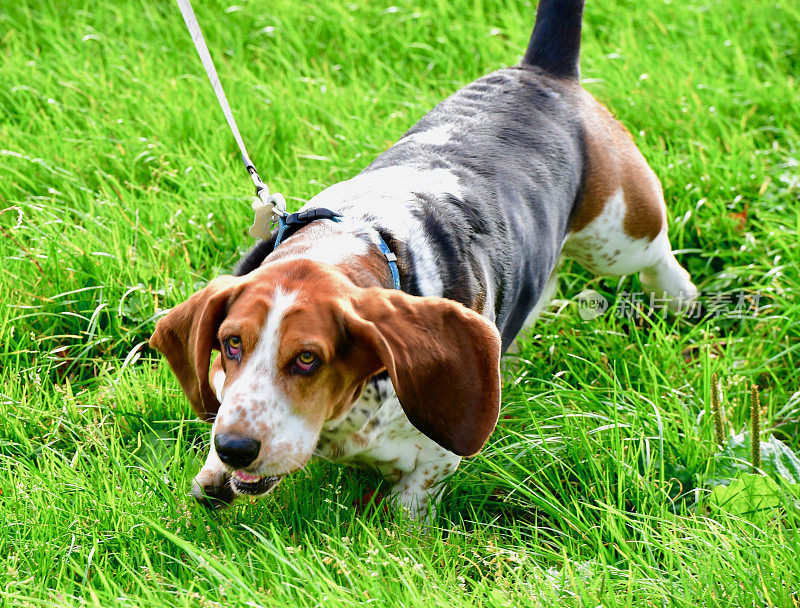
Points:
x=443, y=359
x=188, y=334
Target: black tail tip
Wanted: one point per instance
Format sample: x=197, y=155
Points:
x=556, y=40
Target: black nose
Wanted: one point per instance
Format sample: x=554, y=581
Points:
x=235, y=450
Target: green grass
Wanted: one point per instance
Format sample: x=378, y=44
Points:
x=121, y=192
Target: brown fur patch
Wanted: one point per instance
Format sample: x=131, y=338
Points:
x=371, y=270
x=613, y=163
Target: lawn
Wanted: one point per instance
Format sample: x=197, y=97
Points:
x=121, y=192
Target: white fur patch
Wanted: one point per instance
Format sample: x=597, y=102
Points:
x=605, y=248
x=389, y=196
x=437, y=136
x=218, y=381
x=328, y=245
x=488, y=278
x=385, y=194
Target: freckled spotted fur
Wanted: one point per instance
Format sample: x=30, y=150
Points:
x=479, y=201
x=377, y=434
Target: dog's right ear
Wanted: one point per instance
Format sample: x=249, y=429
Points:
x=188, y=334
x=443, y=360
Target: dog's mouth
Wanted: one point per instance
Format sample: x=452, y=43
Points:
x=254, y=485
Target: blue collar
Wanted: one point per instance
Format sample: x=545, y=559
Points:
x=289, y=224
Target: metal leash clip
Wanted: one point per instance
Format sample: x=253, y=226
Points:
x=268, y=209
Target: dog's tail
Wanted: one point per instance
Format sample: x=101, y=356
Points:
x=556, y=40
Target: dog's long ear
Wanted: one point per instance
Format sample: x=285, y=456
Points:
x=188, y=334
x=443, y=359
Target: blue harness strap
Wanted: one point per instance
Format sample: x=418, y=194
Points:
x=289, y=224
x=391, y=259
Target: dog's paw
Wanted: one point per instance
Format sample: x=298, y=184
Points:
x=213, y=492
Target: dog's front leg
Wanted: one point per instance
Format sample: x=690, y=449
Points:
x=418, y=492
x=212, y=485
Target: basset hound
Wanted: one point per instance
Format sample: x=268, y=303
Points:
x=468, y=214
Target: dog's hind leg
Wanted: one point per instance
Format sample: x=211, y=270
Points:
x=606, y=248
x=667, y=279
x=619, y=226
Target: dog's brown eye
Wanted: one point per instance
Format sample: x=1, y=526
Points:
x=233, y=347
x=305, y=362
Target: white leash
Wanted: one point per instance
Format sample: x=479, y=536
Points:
x=268, y=207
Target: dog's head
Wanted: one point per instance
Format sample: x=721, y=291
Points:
x=298, y=341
